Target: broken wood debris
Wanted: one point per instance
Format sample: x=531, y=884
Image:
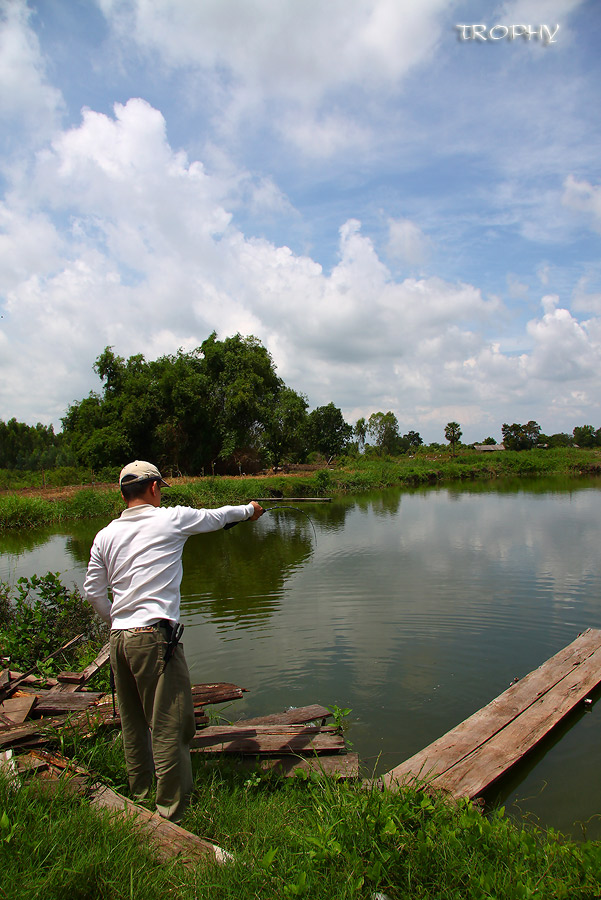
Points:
x=8, y=687
x=33, y=710
x=285, y=742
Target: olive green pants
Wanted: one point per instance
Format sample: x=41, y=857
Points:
x=157, y=717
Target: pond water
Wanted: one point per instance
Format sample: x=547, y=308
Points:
x=411, y=608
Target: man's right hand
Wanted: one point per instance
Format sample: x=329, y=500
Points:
x=258, y=511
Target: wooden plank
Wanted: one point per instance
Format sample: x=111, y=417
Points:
x=28, y=765
x=108, y=720
x=298, y=716
x=461, y=742
x=166, y=839
x=268, y=739
x=96, y=664
x=482, y=725
x=221, y=692
x=70, y=677
x=34, y=680
x=489, y=761
x=49, y=703
x=15, y=733
x=16, y=709
x=70, y=686
x=54, y=761
x=225, y=731
x=342, y=766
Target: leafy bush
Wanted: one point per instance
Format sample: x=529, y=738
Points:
x=41, y=616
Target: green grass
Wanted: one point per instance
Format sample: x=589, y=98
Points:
x=307, y=837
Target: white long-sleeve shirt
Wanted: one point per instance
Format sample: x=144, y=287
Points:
x=139, y=557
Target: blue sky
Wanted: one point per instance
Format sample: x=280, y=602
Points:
x=407, y=220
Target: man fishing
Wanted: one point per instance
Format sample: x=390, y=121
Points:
x=138, y=558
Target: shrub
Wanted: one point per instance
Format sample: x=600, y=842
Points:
x=41, y=616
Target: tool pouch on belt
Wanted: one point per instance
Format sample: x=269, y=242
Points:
x=174, y=633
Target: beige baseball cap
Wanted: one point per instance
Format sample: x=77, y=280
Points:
x=140, y=471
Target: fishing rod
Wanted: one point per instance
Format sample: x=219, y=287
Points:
x=280, y=506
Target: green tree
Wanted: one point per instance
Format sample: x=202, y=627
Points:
x=384, y=428
x=284, y=425
x=242, y=385
x=28, y=446
x=360, y=432
x=521, y=437
x=561, y=439
x=585, y=436
x=188, y=412
x=452, y=433
x=411, y=441
x=328, y=432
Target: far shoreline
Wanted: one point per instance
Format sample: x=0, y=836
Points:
x=37, y=504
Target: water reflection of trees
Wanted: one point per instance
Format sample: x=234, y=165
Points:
x=24, y=540
x=238, y=577
x=80, y=539
x=382, y=504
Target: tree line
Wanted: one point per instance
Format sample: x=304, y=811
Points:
x=219, y=408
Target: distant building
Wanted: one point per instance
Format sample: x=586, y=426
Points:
x=488, y=448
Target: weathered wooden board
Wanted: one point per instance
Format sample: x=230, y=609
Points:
x=166, y=839
x=72, y=682
x=268, y=739
x=16, y=733
x=482, y=767
x=344, y=766
x=297, y=716
x=223, y=692
x=473, y=755
x=50, y=703
x=15, y=710
x=96, y=664
x=70, y=678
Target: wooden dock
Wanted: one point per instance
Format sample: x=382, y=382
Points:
x=470, y=758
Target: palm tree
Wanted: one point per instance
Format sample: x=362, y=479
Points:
x=452, y=433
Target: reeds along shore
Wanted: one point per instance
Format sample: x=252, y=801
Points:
x=30, y=504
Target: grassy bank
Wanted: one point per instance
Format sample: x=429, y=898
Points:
x=20, y=509
x=290, y=837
